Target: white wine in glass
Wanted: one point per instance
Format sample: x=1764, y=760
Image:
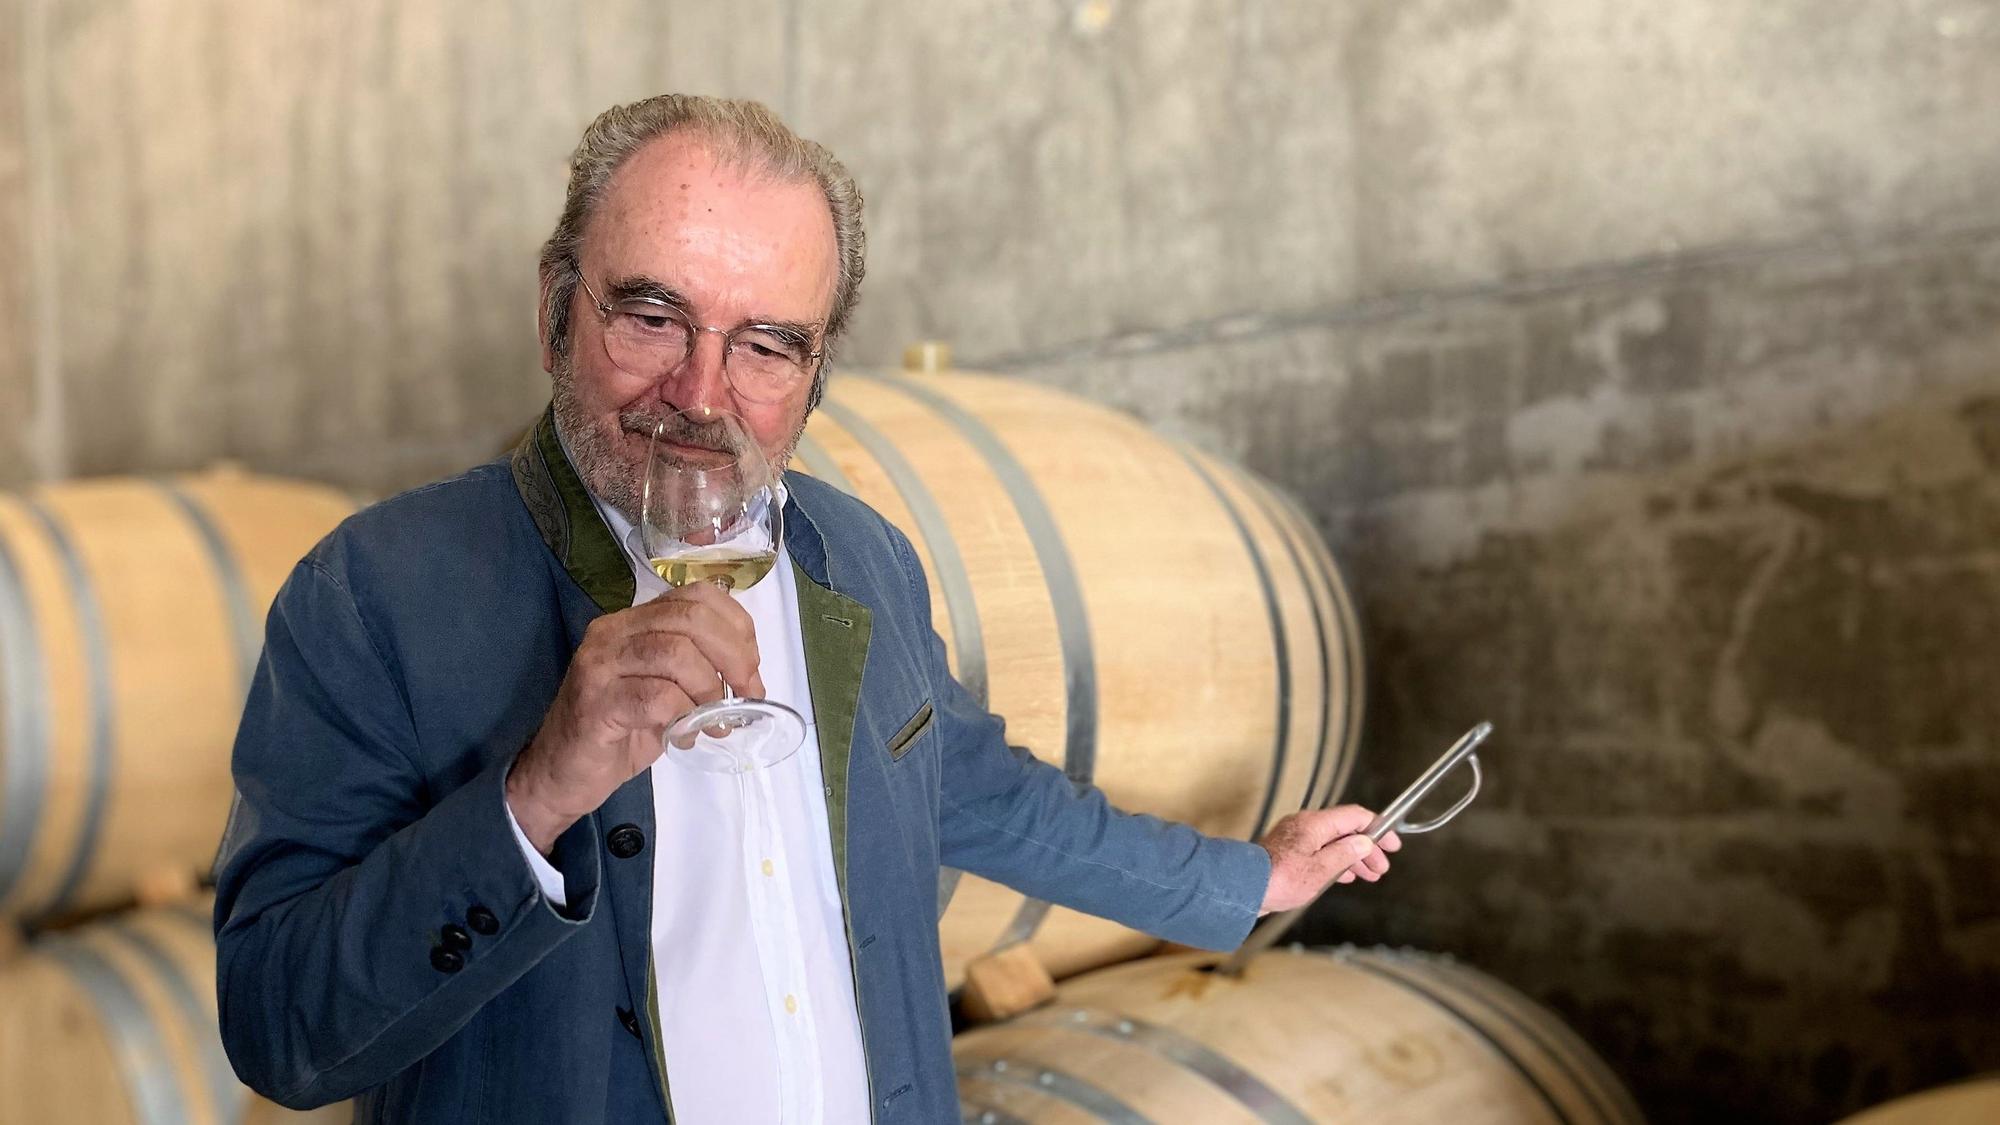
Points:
x=733, y=569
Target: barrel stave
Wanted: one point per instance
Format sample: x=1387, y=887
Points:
x=115, y=1022
x=1145, y=616
x=131, y=616
x=1303, y=1036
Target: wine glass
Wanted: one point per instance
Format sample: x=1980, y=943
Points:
x=709, y=512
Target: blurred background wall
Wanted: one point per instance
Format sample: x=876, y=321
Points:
x=1640, y=362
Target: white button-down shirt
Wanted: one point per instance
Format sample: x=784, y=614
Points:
x=750, y=950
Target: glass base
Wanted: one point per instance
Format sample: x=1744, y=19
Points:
x=735, y=736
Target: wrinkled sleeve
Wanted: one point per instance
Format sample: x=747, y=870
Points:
x=341, y=865
x=1010, y=817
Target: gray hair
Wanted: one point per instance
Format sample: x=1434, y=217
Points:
x=745, y=131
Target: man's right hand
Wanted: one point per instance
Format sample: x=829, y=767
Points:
x=1313, y=848
x=636, y=671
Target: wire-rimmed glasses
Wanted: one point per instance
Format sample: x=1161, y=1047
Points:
x=648, y=336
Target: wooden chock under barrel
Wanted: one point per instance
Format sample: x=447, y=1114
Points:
x=164, y=886
x=1005, y=983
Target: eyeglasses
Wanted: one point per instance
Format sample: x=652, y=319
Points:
x=648, y=338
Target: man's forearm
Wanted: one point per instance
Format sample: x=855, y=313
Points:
x=1023, y=823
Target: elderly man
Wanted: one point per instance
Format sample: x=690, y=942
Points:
x=462, y=883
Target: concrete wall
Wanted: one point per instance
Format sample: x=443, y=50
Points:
x=1718, y=548
x=1642, y=363
x=302, y=235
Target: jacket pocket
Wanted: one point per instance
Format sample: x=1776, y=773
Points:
x=904, y=738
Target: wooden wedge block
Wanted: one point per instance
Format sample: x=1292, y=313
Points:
x=164, y=886
x=1005, y=983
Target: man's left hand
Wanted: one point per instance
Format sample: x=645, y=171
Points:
x=1314, y=848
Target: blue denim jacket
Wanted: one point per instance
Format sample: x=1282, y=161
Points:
x=408, y=660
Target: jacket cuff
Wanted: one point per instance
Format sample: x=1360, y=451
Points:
x=517, y=892
x=1244, y=875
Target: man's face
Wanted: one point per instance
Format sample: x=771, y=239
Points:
x=738, y=247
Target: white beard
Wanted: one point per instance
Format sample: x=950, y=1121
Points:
x=605, y=471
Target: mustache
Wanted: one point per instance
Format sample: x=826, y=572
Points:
x=677, y=429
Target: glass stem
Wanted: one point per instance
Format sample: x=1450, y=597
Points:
x=729, y=696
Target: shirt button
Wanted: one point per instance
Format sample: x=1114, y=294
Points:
x=453, y=936
x=829, y=790
x=446, y=960
x=791, y=1004
x=768, y=868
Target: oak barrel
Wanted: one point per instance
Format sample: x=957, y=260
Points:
x=131, y=616
x=1301, y=1036
x=1150, y=618
x=1965, y=1103
x=115, y=1022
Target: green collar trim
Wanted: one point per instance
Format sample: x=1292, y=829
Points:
x=836, y=630
x=569, y=523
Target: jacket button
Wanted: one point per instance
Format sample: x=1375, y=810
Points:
x=626, y=841
x=482, y=921
x=454, y=936
x=630, y=1021
x=446, y=960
